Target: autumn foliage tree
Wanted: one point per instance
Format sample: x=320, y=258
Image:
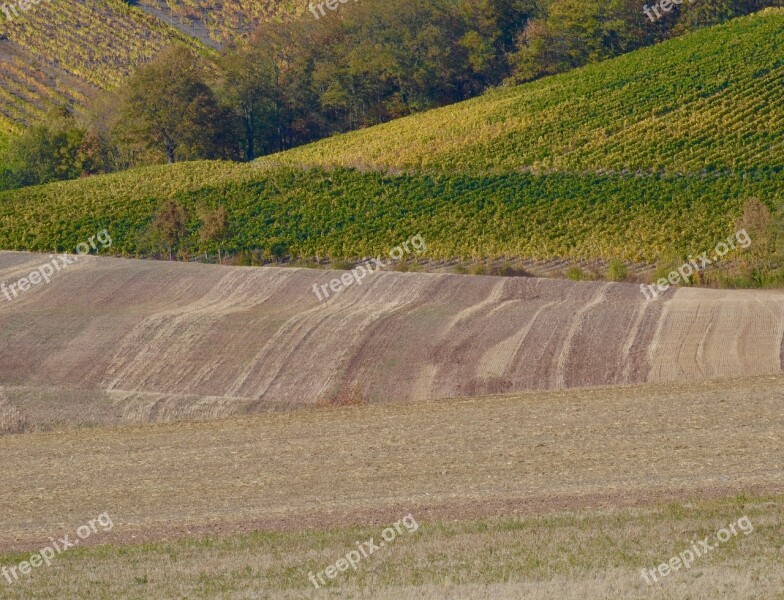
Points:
x=166, y=107
x=214, y=227
x=170, y=224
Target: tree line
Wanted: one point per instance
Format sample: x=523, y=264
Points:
x=303, y=79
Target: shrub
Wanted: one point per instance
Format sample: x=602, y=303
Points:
x=348, y=395
x=617, y=271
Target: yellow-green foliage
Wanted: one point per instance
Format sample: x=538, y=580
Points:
x=348, y=214
x=710, y=101
x=96, y=41
x=228, y=19
x=28, y=89
x=468, y=193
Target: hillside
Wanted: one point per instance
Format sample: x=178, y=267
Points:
x=419, y=361
x=225, y=20
x=730, y=150
x=64, y=50
x=711, y=101
x=135, y=341
x=28, y=87
x=351, y=214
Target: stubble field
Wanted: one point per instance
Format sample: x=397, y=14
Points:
x=553, y=492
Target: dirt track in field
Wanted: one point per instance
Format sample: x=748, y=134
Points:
x=125, y=341
x=538, y=452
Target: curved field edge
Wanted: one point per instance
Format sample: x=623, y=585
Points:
x=348, y=214
x=141, y=341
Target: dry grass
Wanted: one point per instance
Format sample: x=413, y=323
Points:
x=525, y=454
x=541, y=495
x=588, y=554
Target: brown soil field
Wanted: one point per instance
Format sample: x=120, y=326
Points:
x=113, y=341
x=449, y=460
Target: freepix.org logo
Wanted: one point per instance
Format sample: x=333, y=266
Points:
x=13, y=10
x=45, y=272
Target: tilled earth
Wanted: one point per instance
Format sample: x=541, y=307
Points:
x=112, y=341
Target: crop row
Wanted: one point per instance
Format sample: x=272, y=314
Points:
x=96, y=41
x=228, y=19
x=712, y=100
x=347, y=214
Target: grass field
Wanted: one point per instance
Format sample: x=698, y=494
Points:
x=568, y=555
x=512, y=495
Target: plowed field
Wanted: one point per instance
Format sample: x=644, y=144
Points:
x=126, y=341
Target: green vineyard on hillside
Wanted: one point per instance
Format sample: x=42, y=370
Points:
x=710, y=101
x=348, y=214
x=652, y=153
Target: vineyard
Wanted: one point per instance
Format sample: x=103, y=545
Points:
x=61, y=50
x=27, y=88
x=344, y=213
x=226, y=20
x=709, y=101
x=651, y=153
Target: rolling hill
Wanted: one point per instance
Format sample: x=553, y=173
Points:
x=708, y=102
x=135, y=341
x=65, y=50
x=584, y=165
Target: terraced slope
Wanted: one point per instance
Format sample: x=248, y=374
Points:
x=709, y=101
x=225, y=20
x=28, y=87
x=113, y=340
x=96, y=42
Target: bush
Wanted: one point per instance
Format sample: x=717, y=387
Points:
x=349, y=395
x=617, y=271
x=341, y=265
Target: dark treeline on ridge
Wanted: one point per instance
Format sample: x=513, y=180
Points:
x=304, y=79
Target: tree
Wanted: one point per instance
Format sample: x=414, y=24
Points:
x=167, y=107
x=576, y=32
x=247, y=86
x=55, y=149
x=170, y=223
x=214, y=227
